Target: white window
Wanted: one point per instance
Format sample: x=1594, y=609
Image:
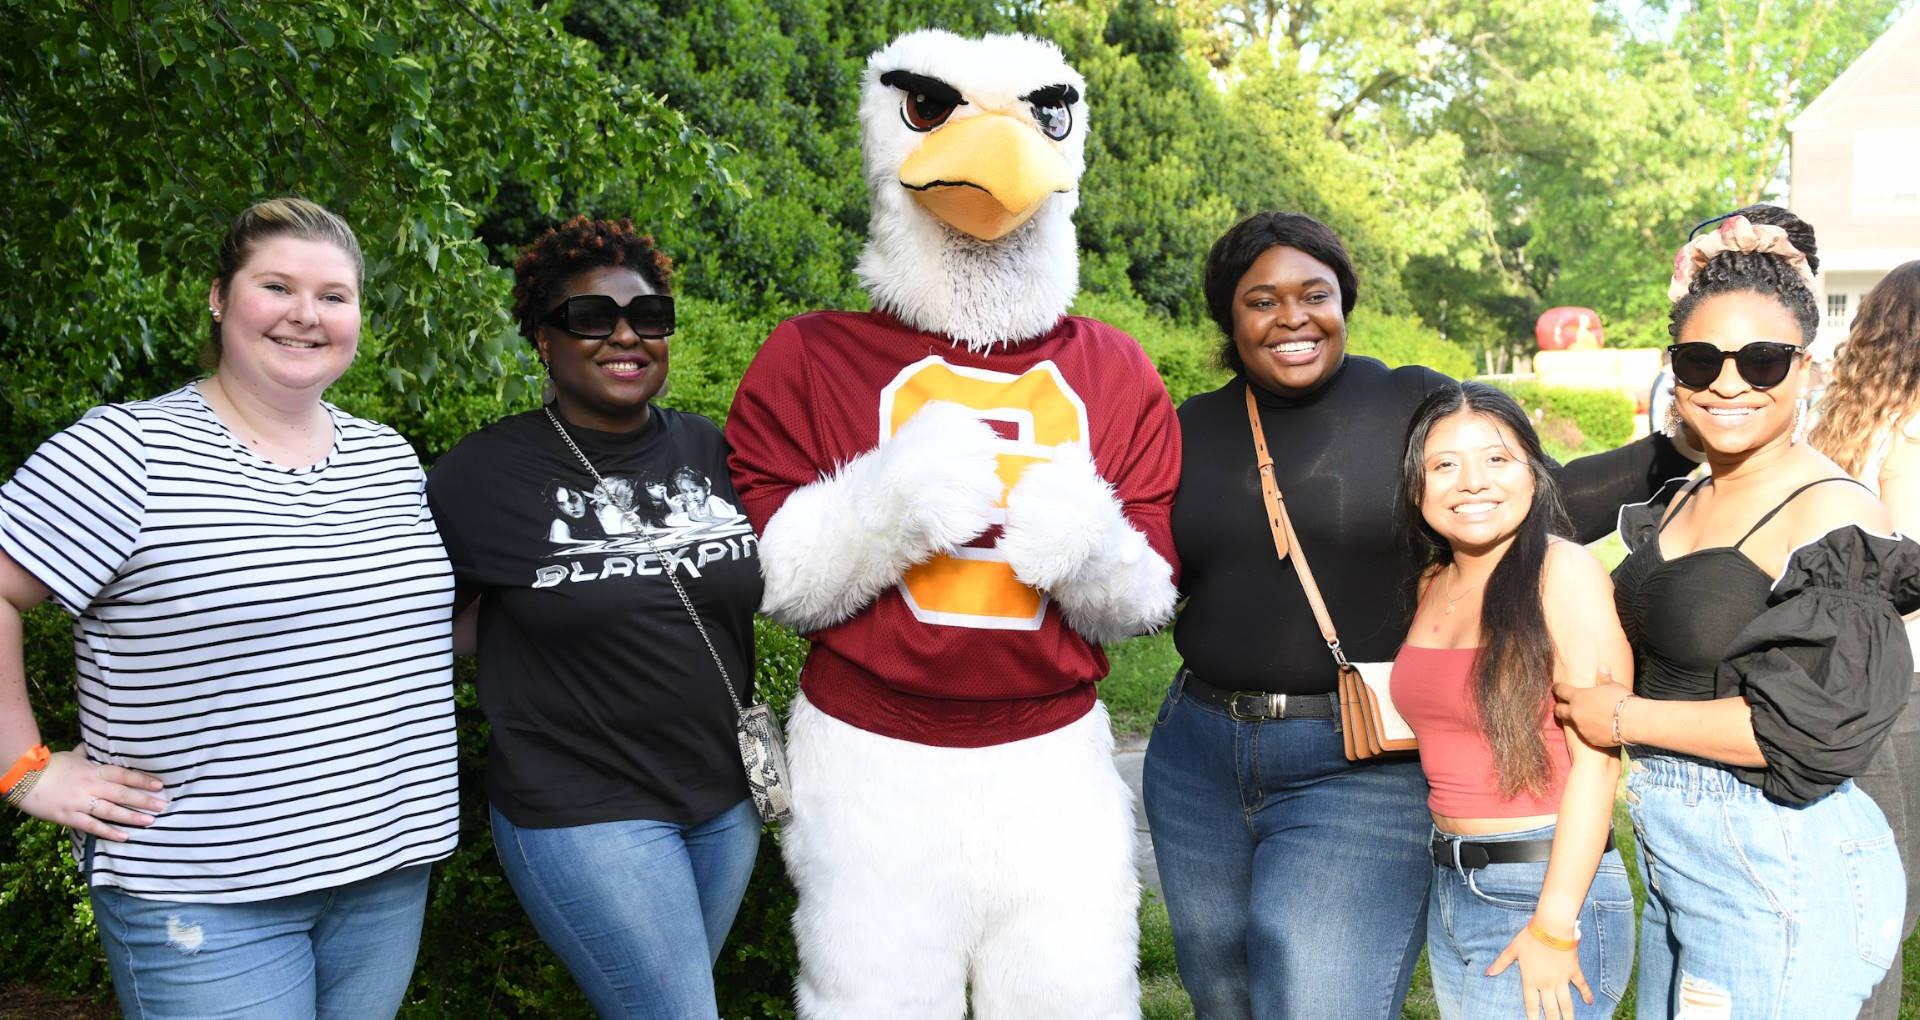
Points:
x=1837, y=311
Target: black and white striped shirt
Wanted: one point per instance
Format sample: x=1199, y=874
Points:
x=272, y=643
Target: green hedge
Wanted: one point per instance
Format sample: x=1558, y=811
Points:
x=1183, y=352
x=1405, y=340
x=1573, y=422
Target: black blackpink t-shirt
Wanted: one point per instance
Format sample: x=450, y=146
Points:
x=604, y=703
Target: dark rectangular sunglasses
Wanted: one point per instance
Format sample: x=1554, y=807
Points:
x=596, y=316
x=1764, y=364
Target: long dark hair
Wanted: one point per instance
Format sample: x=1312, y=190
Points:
x=1514, y=669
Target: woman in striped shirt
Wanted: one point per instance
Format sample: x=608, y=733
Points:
x=261, y=632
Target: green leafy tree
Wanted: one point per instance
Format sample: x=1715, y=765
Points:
x=1755, y=63
x=134, y=131
x=779, y=82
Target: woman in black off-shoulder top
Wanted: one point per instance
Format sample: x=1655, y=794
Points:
x=1763, y=605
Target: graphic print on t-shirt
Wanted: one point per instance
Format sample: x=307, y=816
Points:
x=613, y=529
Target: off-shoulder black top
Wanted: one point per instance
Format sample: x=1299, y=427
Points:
x=1820, y=655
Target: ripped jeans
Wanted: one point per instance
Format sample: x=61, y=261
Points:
x=344, y=953
x=1758, y=909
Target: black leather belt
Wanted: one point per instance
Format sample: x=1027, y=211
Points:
x=1466, y=854
x=1250, y=706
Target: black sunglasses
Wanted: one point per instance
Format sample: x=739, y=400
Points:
x=596, y=316
x=1764, y=364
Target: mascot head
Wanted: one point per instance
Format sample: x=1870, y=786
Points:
x=974, y=150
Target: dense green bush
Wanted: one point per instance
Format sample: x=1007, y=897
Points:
x=1405, y=340
x=1573, y=422
x=46, y=921
x=1183, y=352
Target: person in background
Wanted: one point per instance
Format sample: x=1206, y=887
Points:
x=618, y=800
x=1530, y=908
x=1870, y=425
x=265, y=658
x=1660, y=398
x=1763, y=604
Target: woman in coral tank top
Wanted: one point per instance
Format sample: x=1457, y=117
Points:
x=1530, y=913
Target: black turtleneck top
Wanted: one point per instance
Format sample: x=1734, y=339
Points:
x=1337, y=454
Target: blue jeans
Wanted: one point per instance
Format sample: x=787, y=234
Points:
x=1296, y=881
x=1473, y=914
x=1758, y=909
x=345, y=952
x=637, y=910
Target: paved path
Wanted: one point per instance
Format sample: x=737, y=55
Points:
x=1129, y=754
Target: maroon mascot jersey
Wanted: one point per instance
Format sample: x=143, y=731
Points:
x=959, y=653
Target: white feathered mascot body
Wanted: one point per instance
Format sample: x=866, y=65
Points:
x=960, y=495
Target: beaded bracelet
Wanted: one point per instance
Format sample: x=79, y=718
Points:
x=1617, y=706
x=23, y=787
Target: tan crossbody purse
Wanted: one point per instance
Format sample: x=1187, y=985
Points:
x=1369, y=724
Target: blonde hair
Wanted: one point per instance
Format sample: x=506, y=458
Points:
x=1876, y=384
x=277, y=217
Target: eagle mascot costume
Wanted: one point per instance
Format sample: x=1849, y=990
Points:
x=960, y=495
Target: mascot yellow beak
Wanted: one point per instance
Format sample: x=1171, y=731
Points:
x=985, y=175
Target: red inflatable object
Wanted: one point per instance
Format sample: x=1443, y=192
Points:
x=1568, y=329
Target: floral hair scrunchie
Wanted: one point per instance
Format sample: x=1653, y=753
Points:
x=1737, y=233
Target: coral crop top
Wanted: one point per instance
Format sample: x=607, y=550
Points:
x=1433, y=689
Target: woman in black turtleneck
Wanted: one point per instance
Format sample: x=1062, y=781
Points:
x=1297, y=880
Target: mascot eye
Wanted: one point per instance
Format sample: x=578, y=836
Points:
x=924, y=113
x=1056, y=121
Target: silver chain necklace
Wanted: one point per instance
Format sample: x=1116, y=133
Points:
x=633, y=520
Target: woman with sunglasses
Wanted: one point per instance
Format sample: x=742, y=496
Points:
x=1870, y=425
x=1762, y=603
x=619, y=805
x=267, y=761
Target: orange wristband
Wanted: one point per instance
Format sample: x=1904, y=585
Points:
x=33, y=761
x=1553, y=941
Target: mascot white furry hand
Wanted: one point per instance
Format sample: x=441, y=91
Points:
x=1066, y=535
x=961, y=495
x=841, y=541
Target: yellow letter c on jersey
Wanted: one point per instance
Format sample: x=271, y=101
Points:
x=973, y=586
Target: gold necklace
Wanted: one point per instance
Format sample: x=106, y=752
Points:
x=1446, y=589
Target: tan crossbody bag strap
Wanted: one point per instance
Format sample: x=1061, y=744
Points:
x=1284, y=537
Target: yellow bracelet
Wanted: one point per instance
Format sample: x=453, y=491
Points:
x=1553, y=941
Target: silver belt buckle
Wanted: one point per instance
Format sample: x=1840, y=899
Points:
x=1275, y=705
